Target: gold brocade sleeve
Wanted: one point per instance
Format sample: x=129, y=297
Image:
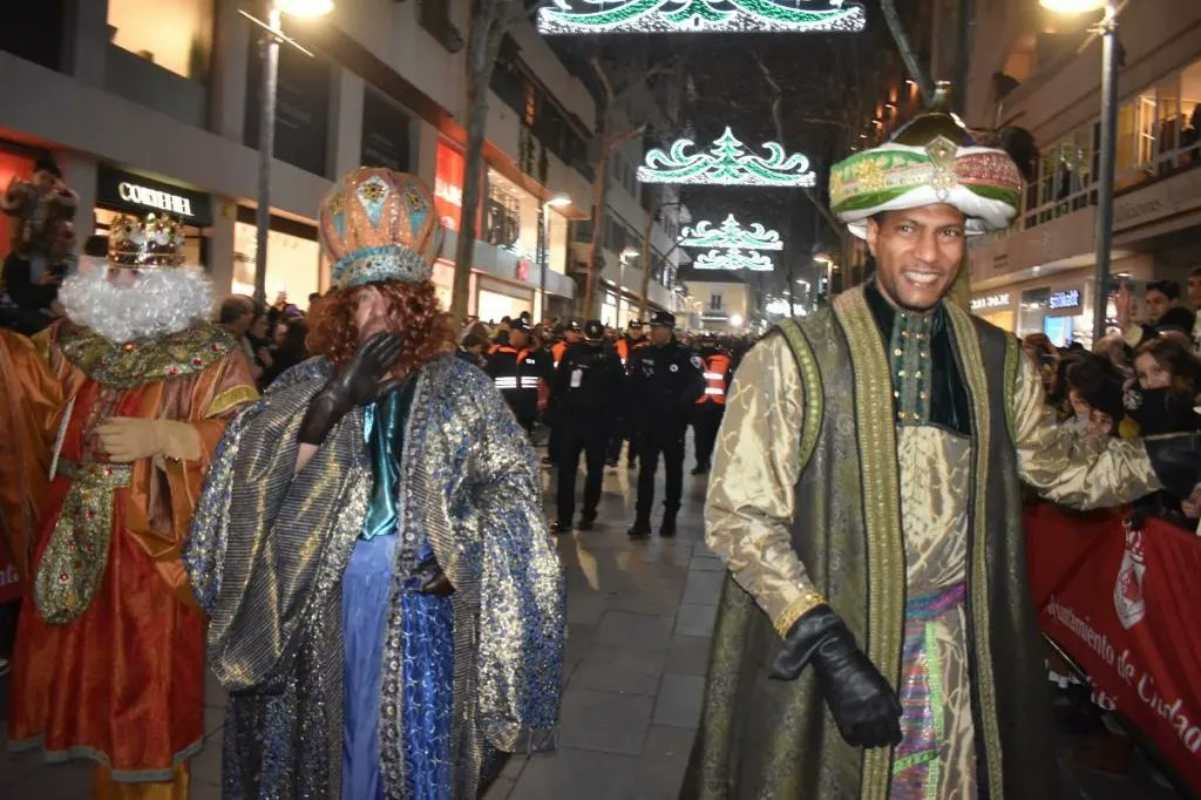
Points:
x=751, y=498
x=1064, y=467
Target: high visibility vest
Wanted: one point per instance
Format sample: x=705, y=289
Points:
x=557, y=352
x=623, y=351
x=519, y=377
x=716, y=368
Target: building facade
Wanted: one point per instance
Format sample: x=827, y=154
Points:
x=1041, y=71
x=155, y=105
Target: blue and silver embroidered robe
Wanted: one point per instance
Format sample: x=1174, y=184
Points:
x=267, y=556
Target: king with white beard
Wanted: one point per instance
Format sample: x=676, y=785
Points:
x=124, y=407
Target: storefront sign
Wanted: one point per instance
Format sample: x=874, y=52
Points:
x=1120, y=602
x=990, y=301
x=448, y=185
x=125, y=191
x=1069, y=298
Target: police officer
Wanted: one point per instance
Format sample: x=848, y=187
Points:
x=664, y=384
x=711, y=406
x=632, y=341
x=516, y=372
x=585, y=389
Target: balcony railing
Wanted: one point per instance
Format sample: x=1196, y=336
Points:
x=1081, y=193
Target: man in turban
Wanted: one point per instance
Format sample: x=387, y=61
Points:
x=386, y=607
x=120, y=406
x=876, y=638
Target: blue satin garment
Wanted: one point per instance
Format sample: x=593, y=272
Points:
x=427, y=637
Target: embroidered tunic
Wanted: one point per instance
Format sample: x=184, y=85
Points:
x=118, y=675
x=803, y=440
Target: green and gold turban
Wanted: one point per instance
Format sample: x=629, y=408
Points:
x=931, y=160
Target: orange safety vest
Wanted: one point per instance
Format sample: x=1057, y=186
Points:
x=623, y=350
x=715, y=379
x=556, y=352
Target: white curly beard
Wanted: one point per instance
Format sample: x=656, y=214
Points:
x=159, y=302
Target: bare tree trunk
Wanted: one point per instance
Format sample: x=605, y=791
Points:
x=646, y=259
x=489, y=19
x=924, y=84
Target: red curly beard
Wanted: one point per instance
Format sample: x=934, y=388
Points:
x=412, y=313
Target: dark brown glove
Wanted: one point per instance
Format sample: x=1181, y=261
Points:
x=1176, y=459
x=433, y=579
x=358, y=382
x=864, y=706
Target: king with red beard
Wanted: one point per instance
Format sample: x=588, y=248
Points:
x=123, y=405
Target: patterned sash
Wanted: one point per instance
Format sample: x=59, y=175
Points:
x=77, y=554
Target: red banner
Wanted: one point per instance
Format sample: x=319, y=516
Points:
x=1124, y=603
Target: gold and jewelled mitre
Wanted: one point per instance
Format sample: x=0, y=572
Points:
x=932, y=159
x=153, y=242
x=378, y=225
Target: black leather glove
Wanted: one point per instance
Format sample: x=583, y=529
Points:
x=864, y=706
x=358, y=382
x=433, y=579
x=1176, y=459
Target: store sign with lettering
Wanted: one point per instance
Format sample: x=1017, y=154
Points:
x=135, y=194
x=990, y=301
x=1065, y=299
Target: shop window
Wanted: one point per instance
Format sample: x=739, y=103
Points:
x=177, y=35
x=293, y=262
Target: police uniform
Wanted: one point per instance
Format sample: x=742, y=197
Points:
x=626, y=346
x=587, y=385
x=557, y=351
x=664, y=384
x=516, y=373
x=710, y=406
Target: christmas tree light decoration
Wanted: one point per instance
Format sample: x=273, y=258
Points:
x=700, y=16
x=734, y=259
x=730, y=235
x=726, y=164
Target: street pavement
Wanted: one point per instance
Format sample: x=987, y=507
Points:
x=639, y=617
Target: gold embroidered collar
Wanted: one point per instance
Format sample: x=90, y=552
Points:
x=124, y=366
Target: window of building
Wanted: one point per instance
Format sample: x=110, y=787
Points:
x=434, y=16
x=715, y=302
x=301, y=107
x=34, y=32
x=511, y=217
x=385, y=133
x=175, y=34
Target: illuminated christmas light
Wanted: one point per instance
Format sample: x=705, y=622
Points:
x=699, y=16
x=730, y=235
x=734, y=259
x=727, y=164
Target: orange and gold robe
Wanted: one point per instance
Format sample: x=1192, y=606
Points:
x=109, y=660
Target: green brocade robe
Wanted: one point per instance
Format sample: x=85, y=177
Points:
x=832, y=482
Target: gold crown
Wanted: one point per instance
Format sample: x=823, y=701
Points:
x=150, y=243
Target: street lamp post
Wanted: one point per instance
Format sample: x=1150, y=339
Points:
x=1109, y=126
x=273, y=35
x=1108, y=29
x=262, y=215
